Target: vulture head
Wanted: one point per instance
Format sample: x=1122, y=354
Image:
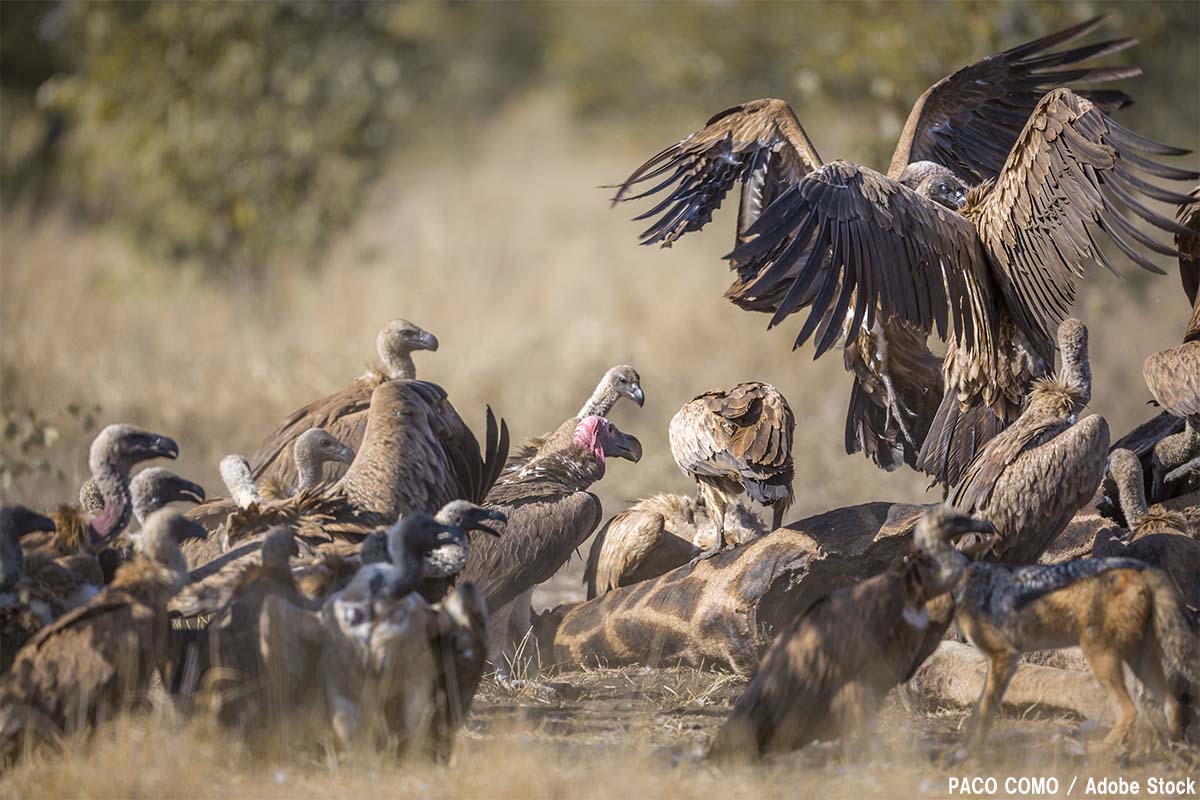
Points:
x=936, y=182
x=935, y=531
x=413, y=536
x=470, y=517
x=317, y=446
x=235, y=474
x=15, y=522
x=155, y=487
x=161, y=536
x=625, y=381
x=397, y=341
x=454, y=545
x=278, y=547
x=114, y=453
x=603, y=439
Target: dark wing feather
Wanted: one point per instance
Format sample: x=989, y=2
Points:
x=970, y=120
x=760, y=143
x=1072, y=173
x=1188, y=246
x=902, y=254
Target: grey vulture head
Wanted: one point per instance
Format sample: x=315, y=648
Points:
x=155, y=487
x=165, y=530
x=937, y=183
x=115, y=451
x=936, y=529
x=15, y=522
x=454, y=544
x=312, y=450
x=625, y=381
x=396, y=342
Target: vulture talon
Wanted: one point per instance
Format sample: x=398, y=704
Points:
x=1183, y=470
x=897, y=411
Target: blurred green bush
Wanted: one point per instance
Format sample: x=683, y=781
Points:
x=233, y=135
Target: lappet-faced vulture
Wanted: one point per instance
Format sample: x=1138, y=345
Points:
x=825, y=675
x=343, y=413
x=416, y=454
x=550, y=513
x=100, y=657
x=656, y=535
x=955, y=238
x=1030, y=479
x=620, y=381
x=734, y=441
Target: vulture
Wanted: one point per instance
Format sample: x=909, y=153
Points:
x=1156, y=537
x=656, y=535
x=150, y=490
x=620, y=381
x=21, y=613
x=734, y=441
x=343, y=413
x=243, y=493
x=1173, y=377
x=100, y=657
x=416, y=454
x=995, y=199
x=826, y=673
x=1031, y=478
x=1188, y=245
x=312, y=450
x=550, y=513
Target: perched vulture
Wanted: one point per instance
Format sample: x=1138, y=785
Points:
x=312, y=450
x=955, y=238
x=620, y=381
x=1030, y=479
x=22, y=613
x=737, y=441
x=343, y=413
x=1156, y=537
x=100, y=657
x=656, y=535
x=825, y=675
x=550, y=513
x=417, y=454
x=1173, y=377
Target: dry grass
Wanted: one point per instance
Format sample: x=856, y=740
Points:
x=509, y=254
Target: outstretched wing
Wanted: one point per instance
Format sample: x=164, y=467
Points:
x=760, y=143
x=1073, y=171
x=970, y=120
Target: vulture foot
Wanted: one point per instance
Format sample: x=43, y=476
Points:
x=896, y=409
x=1183, y=471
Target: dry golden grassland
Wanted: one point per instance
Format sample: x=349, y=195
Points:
x=508, y=252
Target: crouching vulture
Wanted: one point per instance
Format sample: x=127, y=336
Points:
x=824, y=676
x=550, y=513
x=1031, y=479
x=737, y=441
x=1173, y=377
x=99, y=658
x=344, y=413
x=620, y=381
x=953, y=238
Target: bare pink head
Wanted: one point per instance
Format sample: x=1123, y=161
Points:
x=601, y=438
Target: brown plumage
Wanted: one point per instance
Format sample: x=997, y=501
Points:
x=311, y=451
x=417, y=454
x=1158, y=537
x=919, y=249
x=22, y=611
x=1031, y=479
x=98, y=658
x=344, y=413
x=460, y=649
x=825, y=675
x=737, y=441
x=1188, y=245
x=550, y=513
x=1173, y=377
x=620, y=381
x=656, y=535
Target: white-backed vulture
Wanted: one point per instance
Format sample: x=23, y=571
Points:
x=343, y=413
x=734, y=441
x=1157, y=536
x=312, y=450
x=550, y=514
x=620, y=381
x=417, y=454
x=1118, y=611
x=1173, y=377
x=151, y=489
x=953, y=239
x=825, y=675
x=1031, y=478
x=656, y=535
x=99, y=658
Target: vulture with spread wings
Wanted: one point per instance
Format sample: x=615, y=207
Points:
x=993, y=203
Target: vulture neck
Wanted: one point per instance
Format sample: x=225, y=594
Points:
x=576, y=468
x=113, y=483
x=601, y=402
x=399, y=366
x=308, y=468
x=1076, y=374
x=372, y=483
x=1131, y=494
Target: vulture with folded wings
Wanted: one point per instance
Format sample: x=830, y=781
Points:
x=994, y=200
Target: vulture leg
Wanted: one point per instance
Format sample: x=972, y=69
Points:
x=1174, y=456
x=895, y=408
x=714, y=502
x=1184, y=470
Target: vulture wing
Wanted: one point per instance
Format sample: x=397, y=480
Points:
x=1072, y=171
x=760, y=143
x=970, y=120
x=620, y=546
x=979, y=480
x=845, y=235
x=1189, y=245
x=343, y=414
x=540, y=535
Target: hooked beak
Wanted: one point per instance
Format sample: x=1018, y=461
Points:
x=626, y=446
x=637, y=395
x=489, y=514
x=346, y=453
x=960, y=200
x=38, y=522
x=427, y=341
x=190, y=492
x=161, y=447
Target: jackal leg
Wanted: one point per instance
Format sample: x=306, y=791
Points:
x=1001, y=666
x=1149, y=670
x=1106, y=664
